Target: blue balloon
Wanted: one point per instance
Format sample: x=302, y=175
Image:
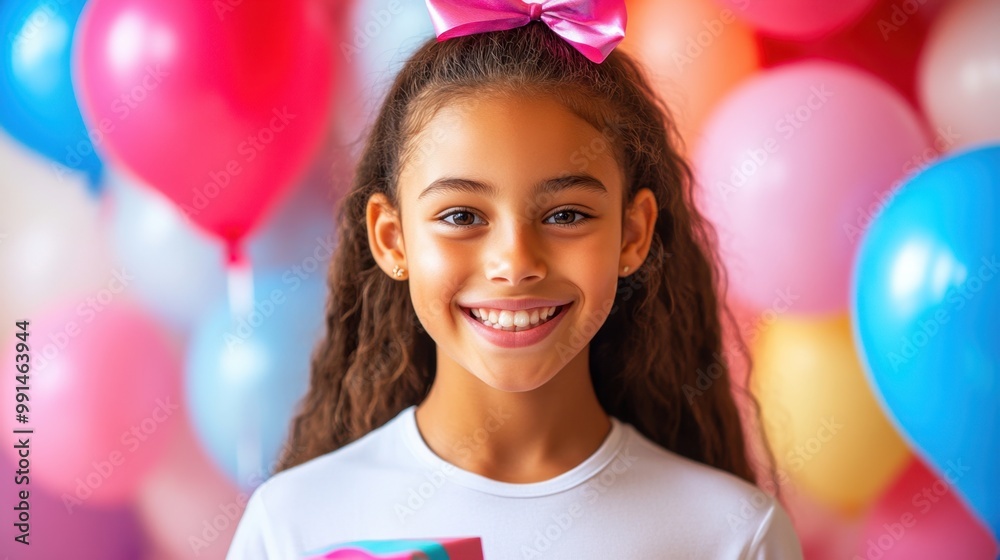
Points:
x=926, y=315
x=36, y=90
x=244, y=376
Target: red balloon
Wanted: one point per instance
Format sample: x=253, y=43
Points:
x=885, y=42
x=805, y=19
x=921, y=517
x=220, y=105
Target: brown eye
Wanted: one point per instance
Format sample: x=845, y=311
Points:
x=462, y=218
x=568, y=218
x=564, y=217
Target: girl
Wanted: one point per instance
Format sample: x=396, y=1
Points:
x=522, y=313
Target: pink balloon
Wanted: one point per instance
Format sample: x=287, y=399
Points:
x=792, y=167
x=103, y=392
x=919, y=517
x=219, y=105
x=801, y=19
x=958, y=74
x=189, y=507
x=86, y=533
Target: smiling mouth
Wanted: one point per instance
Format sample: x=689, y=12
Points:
x=515, y=321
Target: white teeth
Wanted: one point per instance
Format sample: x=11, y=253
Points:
x=507, y=318
x=522, y=319
x=513, y=320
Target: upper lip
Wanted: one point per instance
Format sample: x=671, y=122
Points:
x=514, y=304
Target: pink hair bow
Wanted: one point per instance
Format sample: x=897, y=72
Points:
x=593, y=27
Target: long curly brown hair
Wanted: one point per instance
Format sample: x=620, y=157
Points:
x=657, y=362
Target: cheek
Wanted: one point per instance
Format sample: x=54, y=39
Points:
x=437, y=259
x=592, y=266
x=605, y=270
x=436, y=271
x=607, y=251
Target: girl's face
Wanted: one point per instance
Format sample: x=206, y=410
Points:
x=511, y=200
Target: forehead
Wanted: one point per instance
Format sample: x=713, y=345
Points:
x=510, y=141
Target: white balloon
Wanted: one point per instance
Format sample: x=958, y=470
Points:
x=52, y=243
x=178, y=269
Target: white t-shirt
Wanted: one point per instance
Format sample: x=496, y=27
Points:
x=631, y=499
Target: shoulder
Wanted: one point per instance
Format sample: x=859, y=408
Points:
x=675, y=473
x=295, y=498
x=717, y=504
x=353, y=463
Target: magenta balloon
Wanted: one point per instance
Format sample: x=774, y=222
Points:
x=104, y=398
x=792, y=166
x=219, y=105
x=921, y=517
x=188, y=507
x=798, y=19
x=86, y=533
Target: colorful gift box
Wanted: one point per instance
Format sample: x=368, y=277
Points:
x=463, y=548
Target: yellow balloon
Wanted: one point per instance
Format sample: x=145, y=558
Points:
x=828, y=432
x=695, y=52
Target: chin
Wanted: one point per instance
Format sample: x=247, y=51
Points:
x=513, y=384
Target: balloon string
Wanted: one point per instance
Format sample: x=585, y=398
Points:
x=239, y=275
x=249, y=453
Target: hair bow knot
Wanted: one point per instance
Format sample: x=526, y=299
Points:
x=593, y=27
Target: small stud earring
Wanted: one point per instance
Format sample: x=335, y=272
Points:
x=625, y=270
x=397, y=271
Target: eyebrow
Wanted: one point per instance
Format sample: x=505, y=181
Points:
x=547, y=186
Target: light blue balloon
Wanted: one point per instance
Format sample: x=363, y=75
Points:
x=380, y=37
x=926, y=314
x=244, y=377
x=39, y=106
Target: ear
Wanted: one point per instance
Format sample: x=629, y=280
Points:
x=637, y=230
x=385, y=233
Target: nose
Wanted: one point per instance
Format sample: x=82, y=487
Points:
x=516, y=255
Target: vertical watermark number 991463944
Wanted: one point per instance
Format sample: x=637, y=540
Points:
x=22, y=434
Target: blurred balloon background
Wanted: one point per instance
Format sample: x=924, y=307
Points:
x=169, y=174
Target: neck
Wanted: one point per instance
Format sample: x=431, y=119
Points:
x=520, y=437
